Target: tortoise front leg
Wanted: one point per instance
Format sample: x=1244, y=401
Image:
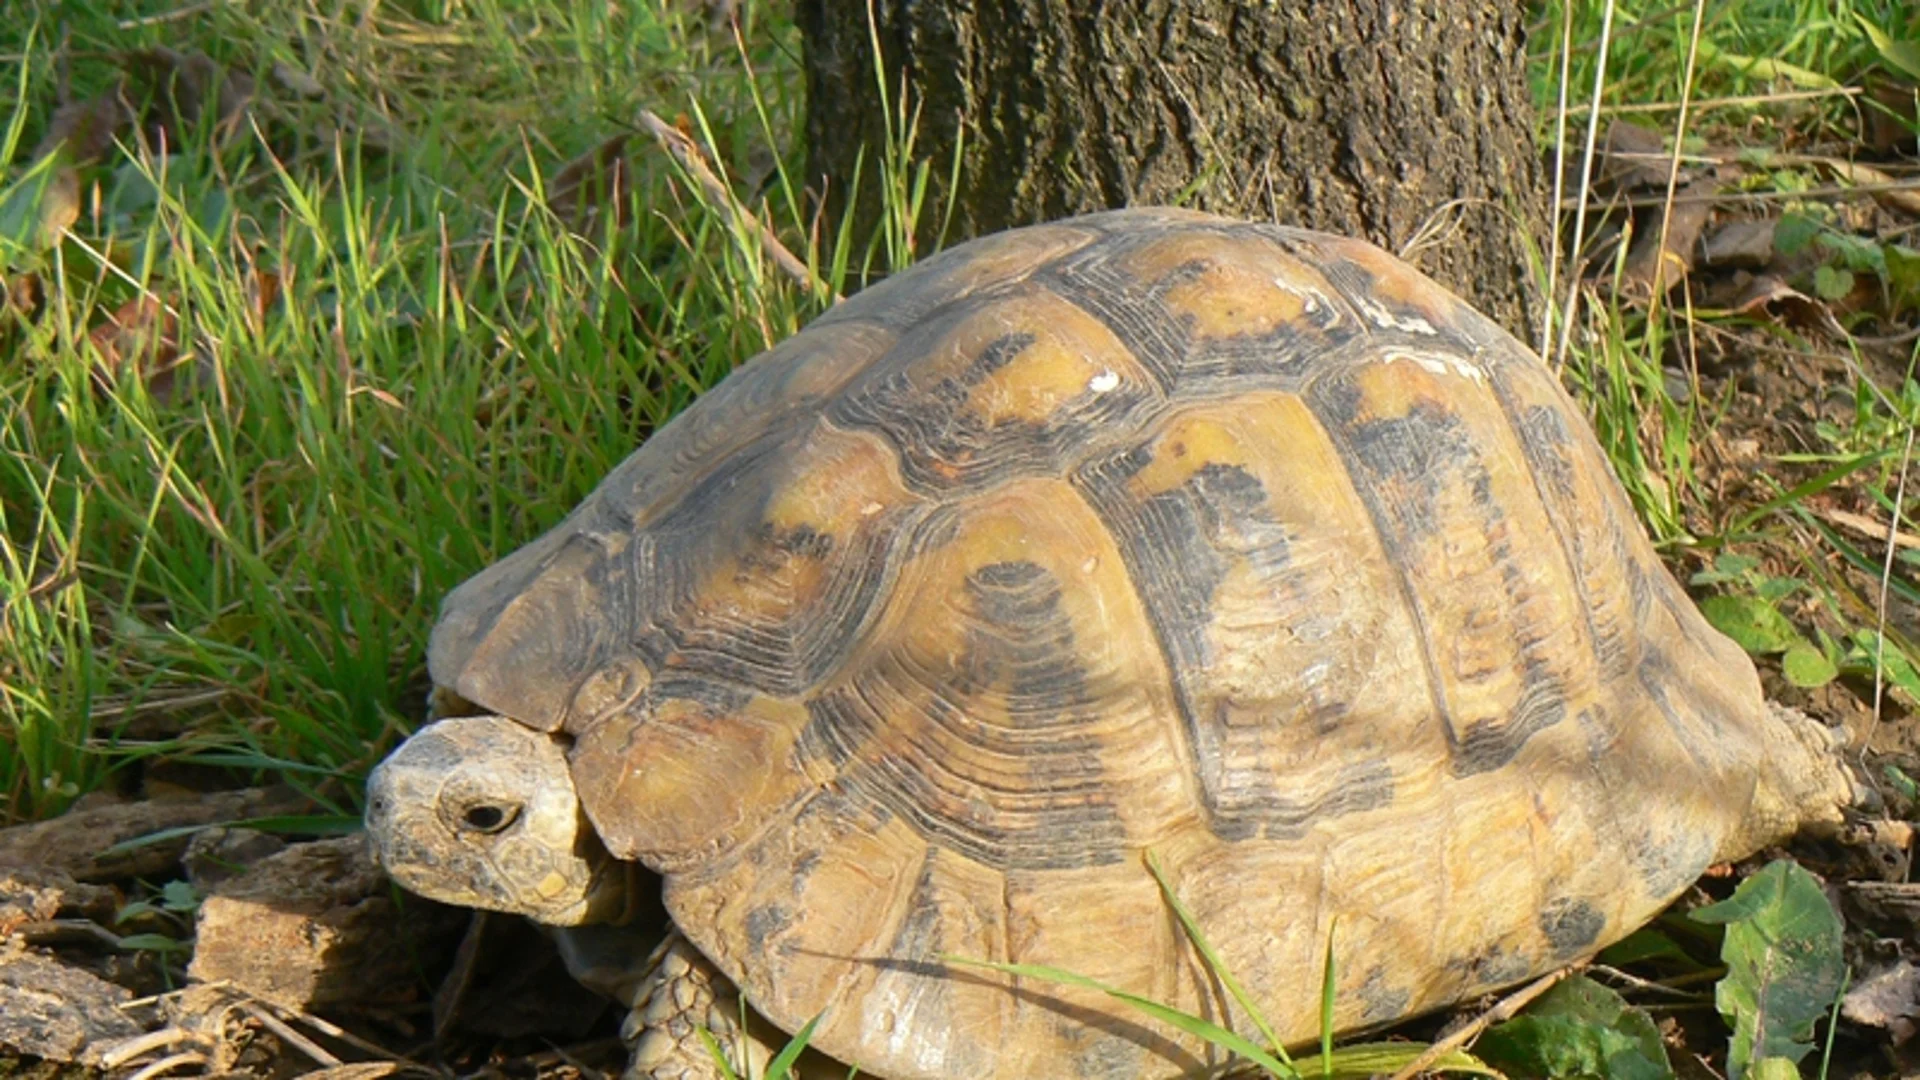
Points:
x=683, y=993
x=670, y=997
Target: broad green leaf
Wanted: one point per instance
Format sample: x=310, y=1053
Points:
x=1727, y=566
x=1904, y=55
x=1893, y=662
x=1775, y=589
x=1794, y=233
x=1784, y=965
x=1643, y=945
x=1832, y=283
x=1903, y=276
x=1579, y=1029
x=1900, y=781
x=179, y=896
x=1806, y=666
x=1856, y=253
x=1756, y=625
x=159, y=943
x=1774, y=1069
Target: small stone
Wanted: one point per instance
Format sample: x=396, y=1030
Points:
x=317, y=924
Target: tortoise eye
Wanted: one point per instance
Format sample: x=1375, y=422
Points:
x=489, y=818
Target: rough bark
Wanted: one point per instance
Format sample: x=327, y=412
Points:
x=1404, y=121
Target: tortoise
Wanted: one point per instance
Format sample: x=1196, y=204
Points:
x=1144, y=533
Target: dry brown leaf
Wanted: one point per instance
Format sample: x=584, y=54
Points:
x=1746, y=244
x=1892, y=116
x=82, y=132
x=139, y=340
x=1768, y=295
x=600, y=179
x=1905, y=201
x=1656, y=263
x=1888, y=998
x=296, y=80
x=1633, y=158
x=183, y=87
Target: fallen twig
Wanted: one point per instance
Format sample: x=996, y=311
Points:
x=1504, y=1009
x=1826, y=191
x=289, y=1036
x=1862, y=525
x=687, y=153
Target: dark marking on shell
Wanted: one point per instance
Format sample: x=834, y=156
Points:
x=1670, y=862
x=1014, y=704
x=1488, y=968
x=1571, y=925
x=1487, y=745
x=766, y=925
x=1381, y=1000
x=790, y=641
x=1244, y=803
x=1180, y=544
x=1136, y=311
x=1420, y=452
x=1401, y=466
x=944, y=445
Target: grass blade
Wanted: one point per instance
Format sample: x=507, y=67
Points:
x=1212, y=958
x=1363, y=1060
x=1326, y=1006
x=1192, y=1025
x=782, y=1063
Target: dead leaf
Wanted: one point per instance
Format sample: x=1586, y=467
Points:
x=1892, y=115
x=296, y=80
x=1656, y=263
x=1767, y=294
x=600, y=179
x=1746, y=244
x=1634, y=158
x=139, y=340
x=1888, y=998
x=82, y=132
x=1906, y=201
x=181, y=89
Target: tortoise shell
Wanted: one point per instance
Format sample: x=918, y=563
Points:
x=1145, y=532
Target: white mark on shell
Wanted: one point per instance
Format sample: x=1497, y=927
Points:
x=1311, y=300
x=1410, y=324
x=871, y=509
x=1439, y=364
x=1103, y=382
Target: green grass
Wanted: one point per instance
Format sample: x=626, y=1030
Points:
x=443, y=368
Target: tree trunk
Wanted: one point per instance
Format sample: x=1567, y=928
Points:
x=1404, y=121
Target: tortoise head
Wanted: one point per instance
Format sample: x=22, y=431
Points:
x=481, y=811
